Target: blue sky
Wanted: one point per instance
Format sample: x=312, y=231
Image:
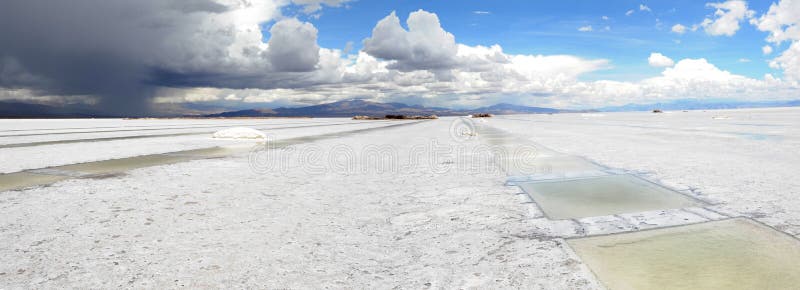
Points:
x=551, y=27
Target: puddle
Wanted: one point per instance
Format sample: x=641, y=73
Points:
x=729, y=254
x=550, y=165
x=518, y=156
x=213, y=152
x=600, y=196
x=123, y=164
x=20, y=180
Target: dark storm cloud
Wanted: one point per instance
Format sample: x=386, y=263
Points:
x=77, y=48
x=121, y=51
x=198, y=6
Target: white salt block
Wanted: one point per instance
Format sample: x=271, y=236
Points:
x=239, y=133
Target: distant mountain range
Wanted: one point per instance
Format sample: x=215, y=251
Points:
x=351, y=108
x=694, y=104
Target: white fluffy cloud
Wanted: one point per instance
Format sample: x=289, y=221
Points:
x=315, y=5
x=425, y=45
x=679, y=29
x=766, y=49
x=782, y=21
x=659, y=60
x=728, y=15
x=586, y=28
x=697, y=70
x=789, y=61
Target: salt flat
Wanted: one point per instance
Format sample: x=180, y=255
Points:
x=407, y=206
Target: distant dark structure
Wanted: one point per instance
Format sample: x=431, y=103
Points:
x=482, y=115
x=396, y=117
x=366, y=118
x=657, y=111
x=413, y=117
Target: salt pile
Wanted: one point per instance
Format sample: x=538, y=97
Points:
x=239, y=133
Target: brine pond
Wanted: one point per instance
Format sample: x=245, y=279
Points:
x=728, y=254
x=603, y=195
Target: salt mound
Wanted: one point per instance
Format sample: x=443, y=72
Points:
x=239, y=133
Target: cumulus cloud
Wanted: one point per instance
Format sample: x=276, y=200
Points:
x=782, y=21
x=424, y=46
x=293, y=46
x=679, y=29
x=694, y=78
x=629, y=12
x=539, y=80
x=586, y=28
x=728, y=15
x=789, y=61
x=315, y=5
x=659, y=60
x=643, y=7
x=698, y=70
x=766, y=49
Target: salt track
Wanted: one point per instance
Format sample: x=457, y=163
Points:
x=220, y=223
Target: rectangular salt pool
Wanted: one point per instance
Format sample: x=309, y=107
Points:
x=603, y=195
x=729, y=254
x=547, y=165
